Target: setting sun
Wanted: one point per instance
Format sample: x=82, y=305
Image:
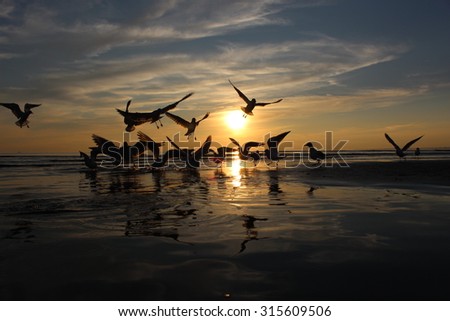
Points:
x=235, y=119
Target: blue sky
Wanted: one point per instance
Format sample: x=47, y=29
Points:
x=357, y=68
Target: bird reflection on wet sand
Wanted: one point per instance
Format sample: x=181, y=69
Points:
x=251, y=231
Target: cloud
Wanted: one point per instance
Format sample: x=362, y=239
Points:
x=6, y=8
x=98, y=29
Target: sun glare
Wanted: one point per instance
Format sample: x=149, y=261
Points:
x=235, y=119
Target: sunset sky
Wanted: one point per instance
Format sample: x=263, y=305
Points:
x=357, y=68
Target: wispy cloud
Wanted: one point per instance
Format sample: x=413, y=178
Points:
x=6, y=8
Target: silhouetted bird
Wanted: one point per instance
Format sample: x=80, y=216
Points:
x=136, y=119
x=150, y=144
x=161, y=161
x=124, y=154
x=191, y=126
x=192, y=158
x=272, y=148
x=401, y=151
x=251, y=104
x=21, y=115
x=89, y=161
x=220, y=155
x=417, y=151
x=314, y=153
x=244, y=151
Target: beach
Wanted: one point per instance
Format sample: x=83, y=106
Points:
x=375, y=230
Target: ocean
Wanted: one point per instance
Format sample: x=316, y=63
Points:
x=238, y=232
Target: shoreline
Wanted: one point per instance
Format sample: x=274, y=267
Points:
x=410, y=173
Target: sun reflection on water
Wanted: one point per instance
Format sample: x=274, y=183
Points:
x=236, y=172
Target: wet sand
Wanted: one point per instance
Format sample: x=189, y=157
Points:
x=374, y=231
x=404, y=173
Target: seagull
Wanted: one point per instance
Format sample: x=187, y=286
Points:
x=417, y=151
x=251, y=104
x=21, y=115
x=314, y=153
x=121, y=155
x=401, y=151
x=272, y=147
x=89, y=161
x=150, y=144
x=192, y=158
x=161, y=161
x=136, y=119
x=244, y=152
x=189, y=125
x=220, y=155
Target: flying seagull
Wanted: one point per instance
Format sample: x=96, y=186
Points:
x=244, y=151
x=314, y=153
x=251, y=104
x=150, y=144
x=272, y=147
x=21, y=115
x=220, y=155
x=136, y=119
x=124, y=154
x=192, y=158
x=191, y=126
x=401, y=151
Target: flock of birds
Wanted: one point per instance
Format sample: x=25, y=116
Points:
x=128, y=153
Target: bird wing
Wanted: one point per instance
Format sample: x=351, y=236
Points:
x=140, y=118
x=408, y=145
x=172, y=106
x=28, y=106
x=249, y=145
x=128, y=105
x=178, y=120
x=272, y=102
x=274, y=141
x=103, y=143
x=240, y=93
x=390, y=140
x=234, y=141
x=143, y=137
x=14, y=108
x=182, y=152
x=204, y=117
x=203, y=150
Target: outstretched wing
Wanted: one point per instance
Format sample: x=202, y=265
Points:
x=28, y=106
x=143, y=137
x=204, y=117
x=172, y=106
x=203, y=150
x=14, y=108
x=390, y=140
x=178, y=120
x=273, y=142
x=183, y=153
x=123, y=113
x=249, y=145
x=272, y=102
x=408, y=145
x=234, y=141
x=240, y=93
x=103, y=143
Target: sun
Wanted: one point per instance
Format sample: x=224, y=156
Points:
x=235, y=119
